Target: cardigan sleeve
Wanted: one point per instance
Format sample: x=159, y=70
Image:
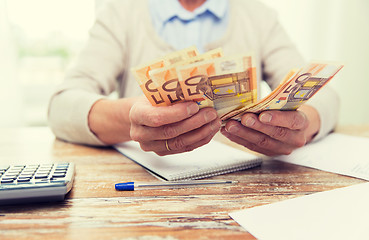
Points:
x=92, y=77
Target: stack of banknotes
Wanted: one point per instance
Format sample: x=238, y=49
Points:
x=228, y=84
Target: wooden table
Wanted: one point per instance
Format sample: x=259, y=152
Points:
x=94, y=210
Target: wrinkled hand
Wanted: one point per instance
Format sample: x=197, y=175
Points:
x=182, y=126
x=273, y=132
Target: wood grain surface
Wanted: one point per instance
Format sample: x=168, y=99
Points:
x=94, y=210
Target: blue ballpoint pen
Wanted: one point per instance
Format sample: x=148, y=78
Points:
x=131, y=186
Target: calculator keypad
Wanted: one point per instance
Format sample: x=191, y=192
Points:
x=36, y=173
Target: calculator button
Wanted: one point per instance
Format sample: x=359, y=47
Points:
x=43, y=169
x=61, y=168
x=7, y=180
x=47, y=165
x=17, y=167
x=57, y=180
x=25, y=175
x=23, y=179
x=10, y=174
x=63, y=164
x=30, y=169
x=41, y=176
x=9, y=177
x=33, y=165
x=58, y=175
x=42, y=181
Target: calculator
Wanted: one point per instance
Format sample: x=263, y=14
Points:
x=21, y=184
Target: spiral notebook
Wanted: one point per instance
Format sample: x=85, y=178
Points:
x=212, y=159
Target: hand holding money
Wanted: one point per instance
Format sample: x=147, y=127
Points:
x=172, y=129
x=224, y=83
x=227, y=84
x=297, y=88
x=266, y=127
x=274, y=132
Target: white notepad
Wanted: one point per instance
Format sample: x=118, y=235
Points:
x=212, y=159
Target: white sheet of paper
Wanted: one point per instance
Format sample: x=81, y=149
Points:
x=338, y=153
x=337, y=214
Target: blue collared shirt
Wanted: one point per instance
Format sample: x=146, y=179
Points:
x=181, y=28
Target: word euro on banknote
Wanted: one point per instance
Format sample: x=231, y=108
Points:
x=167, y=80
x=294, y=91
x=222, y=83
x=149, y=88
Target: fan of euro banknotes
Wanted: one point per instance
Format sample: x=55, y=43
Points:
x=228, y=84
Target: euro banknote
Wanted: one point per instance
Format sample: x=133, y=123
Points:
x=222, y=83
x=296, y=90
x=141, y=73
x=227, y=84
x=167, y=80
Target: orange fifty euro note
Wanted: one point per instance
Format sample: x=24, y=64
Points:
x=295, y=91
x=167, y=80
x=149, y=88
x=303, y=86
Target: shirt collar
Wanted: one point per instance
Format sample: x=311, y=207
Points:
x=168, y=9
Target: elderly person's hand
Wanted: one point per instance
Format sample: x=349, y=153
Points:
x=178, y=128
x=181, y=127
x=274, y=132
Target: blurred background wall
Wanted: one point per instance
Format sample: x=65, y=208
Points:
x=10, y=97
x=39, y=38
x=334, y=30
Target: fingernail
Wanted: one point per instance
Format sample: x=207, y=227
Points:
x=192, y=108
x=210, y=116
x=266, y=117
x=232, y=129
x=250, y=121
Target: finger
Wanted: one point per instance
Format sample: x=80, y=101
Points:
x=292, y=137
x=246, y=143
x=186, y=141
x=143, y=113
x=260, y=140
x=188, y=148
x=288, y=119
x=144, y=133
